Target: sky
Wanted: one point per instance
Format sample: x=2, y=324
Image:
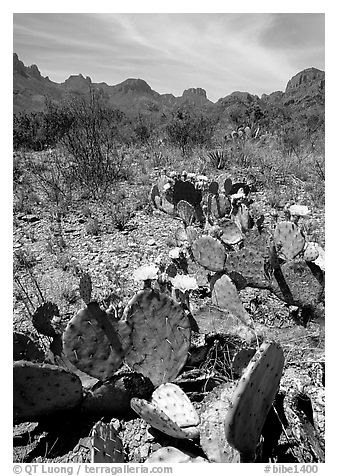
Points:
x=220, y=52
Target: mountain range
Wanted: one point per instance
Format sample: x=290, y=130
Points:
x=306, y=89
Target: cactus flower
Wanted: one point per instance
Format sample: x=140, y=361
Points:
x=184, y=283
x=175, y=253
x=145, y=273
x=299, y=210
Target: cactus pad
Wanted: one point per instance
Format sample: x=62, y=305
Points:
x=224, y=295
x=241, y=360
x=311, y=252
x=209, y=253
x=212, y=320
x=187, y=192
x=160, y=336
x=166, y=206
x=156, y=418
x=186, y=212
x=175, y=403
x=92, y=344
x=106, y=445
x=243, y=218
x=227, y=186
x=220, y=205
x=170, y=411
x=42, y=389
x=213, y=413
x=252, y=399
x=213, y=188
x=231, y=232
x=85, y=288
x=288, y=239
x=250, y=264
x=42, y=319
x=192, y=234
x=305, y=289
x=154, y=192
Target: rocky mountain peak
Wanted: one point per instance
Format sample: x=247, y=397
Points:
x=77, y=81
x=134, y=86
x=304, y=79
x=193, y=92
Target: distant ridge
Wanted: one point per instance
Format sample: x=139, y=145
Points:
x=134, y=95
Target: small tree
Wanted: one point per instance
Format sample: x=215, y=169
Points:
x=142, y=130
x=92, y=141
x=186, y=130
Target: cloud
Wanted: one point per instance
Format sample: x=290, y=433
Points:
x=218, y=52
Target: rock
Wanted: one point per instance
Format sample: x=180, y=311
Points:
x=29, y=218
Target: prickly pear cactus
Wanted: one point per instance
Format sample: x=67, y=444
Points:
x=43, y=389
x=243, y=219
x=26, y=349
x=160, y=336
x=176, y=404
x=258, y=240
x=172, y=455
x=220, y=205
x=298, y=285
x=192, y=234
x=42, y=319
x=252, y=400
x=224, y=295
x=186, y=212
x=166, y=206
x=251, y=265
x=241, y=360
x=213, y=188
x=212, y=320
x=112, y=398
x=213, y=440
x=85, y=288
x=156, y=418
x=92, y=344
x=311, y=251
x=170, y=411
x=106, y=445
x=186, y=191
x=154, y=193
x=209, y=253
x=288, y=239
x=216, y=232
x=232, y=234
x=227, y=186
